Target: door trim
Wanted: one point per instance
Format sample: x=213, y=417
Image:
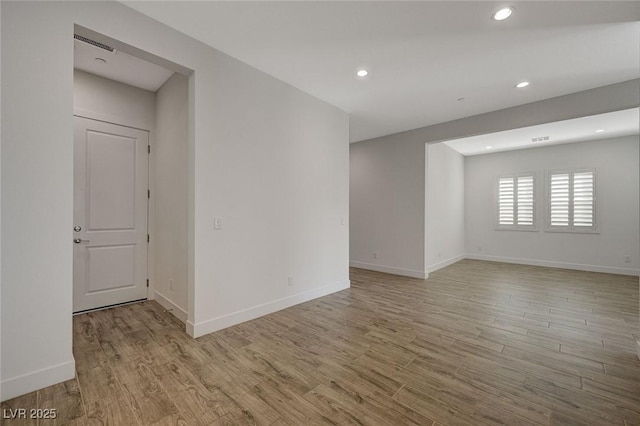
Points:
x=112, y=119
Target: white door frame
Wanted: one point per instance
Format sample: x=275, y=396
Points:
x=191, y=74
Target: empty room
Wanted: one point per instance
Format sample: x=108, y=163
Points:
x=346, y=212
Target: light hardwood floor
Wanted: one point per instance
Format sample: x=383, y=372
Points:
x=478, y=343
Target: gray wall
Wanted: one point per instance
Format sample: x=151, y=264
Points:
x=387, y=205
x=388, y=174
x=107, y=100
x=445, y=206
x=170, y=190
x=616, y=165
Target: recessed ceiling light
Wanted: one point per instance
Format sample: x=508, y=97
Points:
x=522, y=84
x=488, y=147
x=503, y=14
x=460, y=99
x=599, y=130
x=362, y=73
x=101, y=61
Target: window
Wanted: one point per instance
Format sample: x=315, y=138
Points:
x=516, y=202
x=572, y=201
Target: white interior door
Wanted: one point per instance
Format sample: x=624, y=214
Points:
x=110, y=214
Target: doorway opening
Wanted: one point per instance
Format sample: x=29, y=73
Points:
x=131, y=176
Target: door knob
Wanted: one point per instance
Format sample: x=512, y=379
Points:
x=77, y=228
x=78, y=241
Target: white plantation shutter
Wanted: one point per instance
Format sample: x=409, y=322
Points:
x=525, y=201
x=572, y=200
x=506, y=201
x=559, y=199
x=583, y=199
x=516, y=202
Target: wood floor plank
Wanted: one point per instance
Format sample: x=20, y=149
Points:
x=586, y=404
x=602, y=355
x=149, y=400
x=348, y=407
x=289, y=404
x=196, y=404
x=492, y=415
x=432, y=407
x=478, y=343
x=12, y=410
x=65, y=397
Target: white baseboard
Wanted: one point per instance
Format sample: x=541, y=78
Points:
x=191, y=329
x=176, y=310
x=562, y=265
x=209, y=326
x=390, y=270
x=35, y=380
x=445, y=263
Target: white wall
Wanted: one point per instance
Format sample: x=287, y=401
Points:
x=445, y=227
x=270, y=160
x=616, y=164
x=36, y=207
x=388, y=174
x=170, y=192
x=387, y=206
x=277, y=175
x=107, y=100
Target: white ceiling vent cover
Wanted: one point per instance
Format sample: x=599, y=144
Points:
x=93, y=43
x=540, y=139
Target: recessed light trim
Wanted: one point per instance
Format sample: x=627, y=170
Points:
x=488, y=147
x=362, y=73
x=101, y=60
x=599, y=130
x=522, y=84
x=502, y=14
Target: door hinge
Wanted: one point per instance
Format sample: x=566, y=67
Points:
x=148, y=193
x=147, y=237
x=147, y=282
x=148, y=149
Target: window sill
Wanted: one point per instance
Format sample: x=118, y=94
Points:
x=572, y=231
x=534, y=229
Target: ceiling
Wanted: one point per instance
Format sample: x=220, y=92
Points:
x=119, y=66
x=422, y=56
x=601, y=126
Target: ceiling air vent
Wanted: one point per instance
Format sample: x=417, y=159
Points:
x=540, y=139
x=93, y=43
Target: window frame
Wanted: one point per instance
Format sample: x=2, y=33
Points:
x=571, y=228
x=516, y=227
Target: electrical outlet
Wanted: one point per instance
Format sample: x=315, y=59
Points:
x=289, y=280
x=171, y=284
x=375, y=254
x=627, y=259
x=217, y=223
